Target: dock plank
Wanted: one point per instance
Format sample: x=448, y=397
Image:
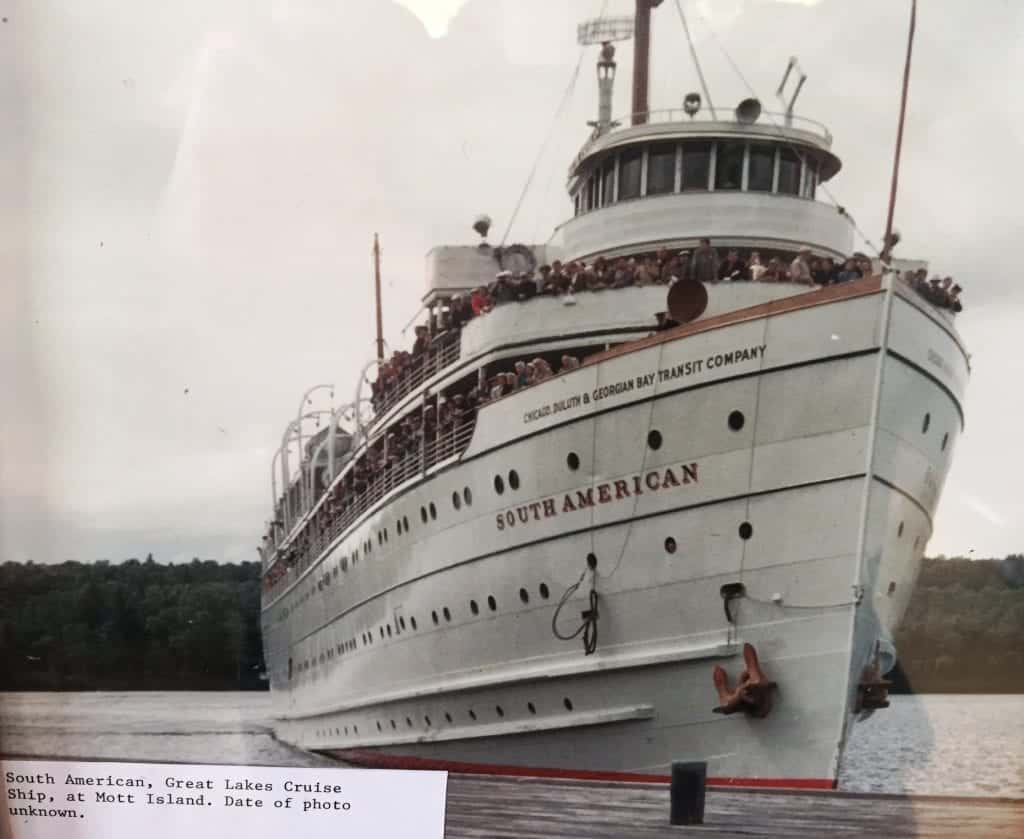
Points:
x=534, y=808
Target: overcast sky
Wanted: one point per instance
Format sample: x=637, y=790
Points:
x=188, y=193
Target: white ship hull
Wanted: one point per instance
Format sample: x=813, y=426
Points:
x=836, y=470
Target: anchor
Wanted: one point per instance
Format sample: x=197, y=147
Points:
x=872, y=690
x=753, y=693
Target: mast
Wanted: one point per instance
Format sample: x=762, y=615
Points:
x=376, y=293
x=642, y=58
x=887, y=241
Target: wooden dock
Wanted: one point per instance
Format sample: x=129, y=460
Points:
x=524, y=808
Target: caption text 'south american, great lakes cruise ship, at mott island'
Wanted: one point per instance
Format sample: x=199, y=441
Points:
x=637, y=499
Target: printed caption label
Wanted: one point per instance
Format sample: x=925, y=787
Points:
x=69, y=800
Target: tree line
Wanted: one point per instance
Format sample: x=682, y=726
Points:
x=145, y=625
x=963, y=628
x=133, y=625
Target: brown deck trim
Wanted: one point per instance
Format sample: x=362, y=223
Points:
x=784, y=305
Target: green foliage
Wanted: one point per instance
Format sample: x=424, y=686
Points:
x=133, y=625
x=964, y=627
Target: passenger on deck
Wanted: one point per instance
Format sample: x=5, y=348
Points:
x=705, y=263
x=733, y=268
x=800, y=269
x=756, y=268
x=569, y=362
x=480, y=301
x=850, y=271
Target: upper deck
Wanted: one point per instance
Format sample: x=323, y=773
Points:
x=677, y=177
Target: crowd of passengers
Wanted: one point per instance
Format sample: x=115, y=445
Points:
x=704, y=264
x=939, y=291
x=424, y=434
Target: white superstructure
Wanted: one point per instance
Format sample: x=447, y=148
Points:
x=765, y=474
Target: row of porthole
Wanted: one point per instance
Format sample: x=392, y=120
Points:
x=428, y=722
x=736, y=421
x=402, y=525
x=513, y=482
x=385, y=630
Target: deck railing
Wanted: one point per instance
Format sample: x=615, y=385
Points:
x=338, y=516
x=444, y=350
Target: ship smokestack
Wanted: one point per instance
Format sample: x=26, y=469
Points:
x=642, y=58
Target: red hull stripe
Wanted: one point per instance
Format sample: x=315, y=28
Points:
x=380, y=760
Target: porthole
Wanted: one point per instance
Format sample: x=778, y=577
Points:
x=544, y=590
x=389, y=630
x=433, y=614
x=945, y=440
x=427, y=721
x=500, y=711
x=492, y=604
x=530, y=707
x=467, y=496
x=456, y=501
x=524, y=595
x=892, y=588
x=591, y=561
x=423, y=514
x=736, y=420
x=654, y=439
x=447, y=614
x=567, y=702
x=473, y=607
x=433, y=511
x=408, y=721
x=405, y=522
x=398, y=527
x=899, y=531
x=412, y=622
x=401, y=622
x=447, y=717
x=926, y=423
x=513, y=479
x=572, y=460
x=393, y=726
x=472, y=714
x=378, y=726
x=355, y=729
x=670, y=545
x=746, y=530
x=346, y=731
x=499, y=484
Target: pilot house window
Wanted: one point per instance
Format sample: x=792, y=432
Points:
x=608, y=182
x=729, y=166
x=661, y=169
x=696, y=165
x=762, y=166
x=629, y=174
x=789, y=172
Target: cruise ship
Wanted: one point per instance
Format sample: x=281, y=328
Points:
x=695, y=544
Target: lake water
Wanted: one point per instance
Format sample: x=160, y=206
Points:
x=938, y=745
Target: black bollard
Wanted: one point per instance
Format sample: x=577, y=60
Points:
x=687, y=793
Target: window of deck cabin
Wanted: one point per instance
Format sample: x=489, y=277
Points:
x=696, y=165
x=592, y=192
x=789, y=172
x=629, y=174
x=608, y=182
x=729, y=166
x=810, y=178
x=661, y=169
x=761, y=168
